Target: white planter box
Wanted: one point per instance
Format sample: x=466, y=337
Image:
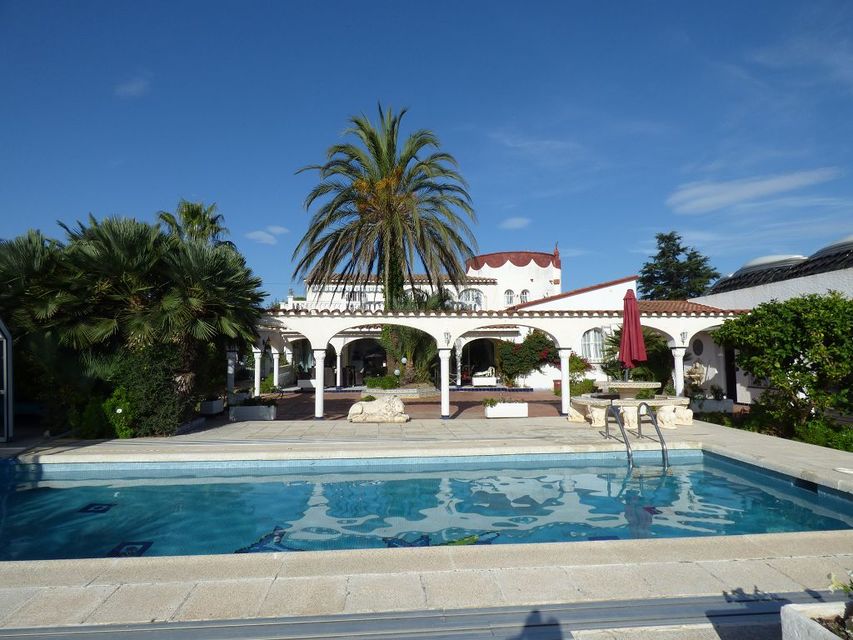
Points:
x=709, y=405
x=305, y=384
x=254, y=412
x=212, y=407
x=507, y=410
x=484, y=381
x=798, y=620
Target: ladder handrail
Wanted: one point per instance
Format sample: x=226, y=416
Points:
x=663, y=448
x=614, y=410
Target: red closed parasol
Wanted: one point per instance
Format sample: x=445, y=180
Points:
x=632, y=347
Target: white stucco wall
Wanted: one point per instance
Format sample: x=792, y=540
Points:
x=605, y=298
x=538, y=281
x=821, y=283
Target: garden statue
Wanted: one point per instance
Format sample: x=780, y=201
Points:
x=384, y=409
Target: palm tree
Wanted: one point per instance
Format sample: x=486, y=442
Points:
x=195, y=221
x=385, y=208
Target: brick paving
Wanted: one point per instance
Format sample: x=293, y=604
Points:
x=463, y=404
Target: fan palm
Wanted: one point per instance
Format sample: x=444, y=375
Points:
x=385, y=208
x=195, y=221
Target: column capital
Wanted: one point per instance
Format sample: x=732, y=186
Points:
x=444, y=353
x=256, y=350
x=678, y=351
x=564, y=352
x=319, y=353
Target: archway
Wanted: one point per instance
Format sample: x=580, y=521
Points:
x=476, y=356
x=362, y=358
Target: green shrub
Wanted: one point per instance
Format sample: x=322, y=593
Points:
x=580, y=387
x=382, y=382
x=119, y=412
x=645, y=394
x=148, y=377
x=368, y=398
x=826, y=433
x=93, y=421
x=266, y=384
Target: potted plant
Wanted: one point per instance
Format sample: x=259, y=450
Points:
x=212, y=405
x=253, y=409
x=822, y=621
x=505, y=408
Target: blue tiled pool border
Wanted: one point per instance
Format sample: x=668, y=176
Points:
x=378, y=463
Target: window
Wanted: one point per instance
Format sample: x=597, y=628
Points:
x=356, y=299
x=524, y=296
x=509, y=297
x=592, y=347
x=471, y=299
x=698, y=347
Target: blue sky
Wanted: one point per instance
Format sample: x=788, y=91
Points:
x=594, y=125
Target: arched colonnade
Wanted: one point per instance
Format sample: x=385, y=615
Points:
x=452, y=329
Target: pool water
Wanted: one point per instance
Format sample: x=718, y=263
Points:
x=75, y=511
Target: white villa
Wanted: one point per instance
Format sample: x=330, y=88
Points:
x=330, y=337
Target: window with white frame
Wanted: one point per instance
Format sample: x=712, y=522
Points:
x=524, y=296
x=471, y=299
x=509, y=297
x=592, y=345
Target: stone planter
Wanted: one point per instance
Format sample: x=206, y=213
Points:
x=709, y=405
x=252, y=412
x=212, y=407
x=305, y=384
x=484, y=381
x=237, y=398
x=798, y=620
x=507, y=410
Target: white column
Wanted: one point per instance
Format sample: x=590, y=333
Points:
x=565, y=354
x=678, y=371
x=458, y=366
x=319, y=361
x=231, y=369
x=444, y=357
x=275, y=358
x=257, y=353
x=338, y=372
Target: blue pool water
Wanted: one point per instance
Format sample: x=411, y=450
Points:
x=81, y=511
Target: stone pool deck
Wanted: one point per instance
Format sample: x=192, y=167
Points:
x=145, y=590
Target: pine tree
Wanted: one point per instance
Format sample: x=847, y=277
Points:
x=676, y=272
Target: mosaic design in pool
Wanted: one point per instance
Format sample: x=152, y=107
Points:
x=464, y=505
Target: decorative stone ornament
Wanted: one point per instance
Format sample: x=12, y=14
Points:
x=388, y=409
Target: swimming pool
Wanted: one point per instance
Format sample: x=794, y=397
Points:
x=92, y=510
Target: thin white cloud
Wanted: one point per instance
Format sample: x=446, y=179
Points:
x=515, y=223
x=262, y=237
x=277, y=230
x=134, y=88
x=825, y=57
x=702, y=197
x=570, y=252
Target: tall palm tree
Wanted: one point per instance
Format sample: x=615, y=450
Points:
x=195, y=221
x=386, y=208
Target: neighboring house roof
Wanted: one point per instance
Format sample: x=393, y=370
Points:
x=518, y=258
x=417, y=278
x=574, y=292
x=833, y=257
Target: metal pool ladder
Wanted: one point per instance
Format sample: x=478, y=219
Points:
x=651, y=414
x=614, y=411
